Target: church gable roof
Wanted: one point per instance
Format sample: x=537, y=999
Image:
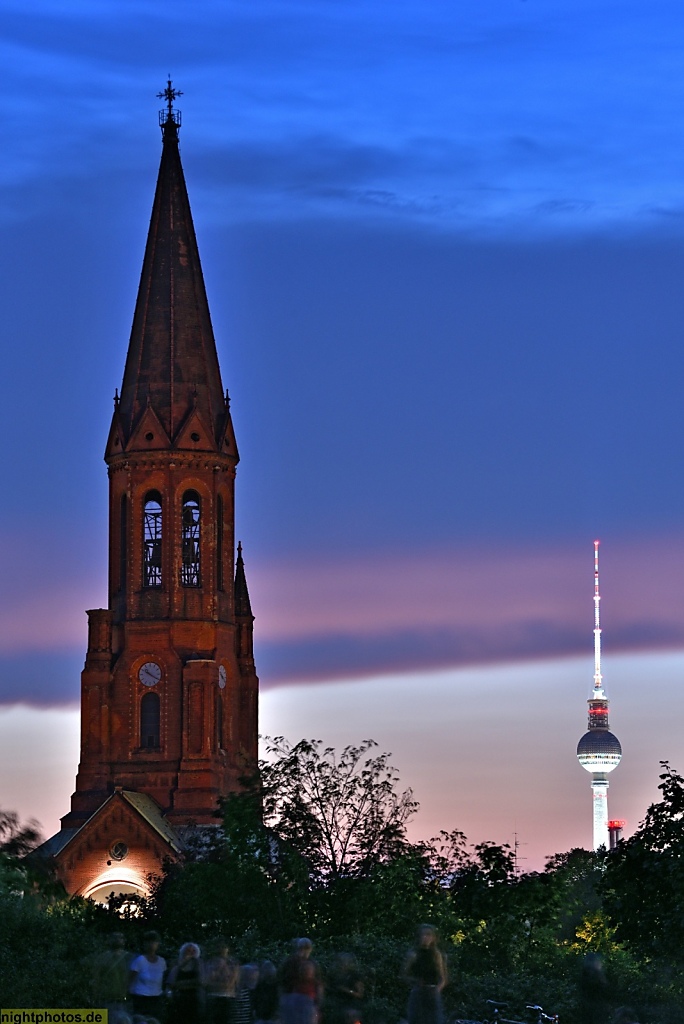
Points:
x=150, y=811
x=149, y=434
x=194, y=435
x=137, y=813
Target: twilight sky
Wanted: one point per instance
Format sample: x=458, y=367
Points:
x=443, y=245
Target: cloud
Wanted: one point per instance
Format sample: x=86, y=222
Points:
x=456, y=607
x=564, y=206
x=298, y=163
x=52, y=618
x=487, y=107
x=329, y=618
x=47, y=678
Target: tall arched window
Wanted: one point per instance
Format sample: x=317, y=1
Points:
x=152, y=541
x=190, y=540
x=219, y=722
x=149, y=721
x=219, y=542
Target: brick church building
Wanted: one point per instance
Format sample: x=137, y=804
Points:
x=169, y=689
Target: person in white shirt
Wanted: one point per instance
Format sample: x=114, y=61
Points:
x=147, y=978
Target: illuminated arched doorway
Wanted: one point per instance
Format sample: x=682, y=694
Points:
x=120, y=883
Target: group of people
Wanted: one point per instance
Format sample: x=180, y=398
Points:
x=217, y=989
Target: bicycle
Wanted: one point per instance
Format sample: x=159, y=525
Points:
x=496, y=1018
x=541, y=1016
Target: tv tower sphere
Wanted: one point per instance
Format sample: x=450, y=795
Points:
x=599, y=750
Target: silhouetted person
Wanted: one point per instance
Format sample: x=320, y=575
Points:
x=426, y=971
x=301, y=985
x=221, y=976
x=109, y=977
x=625, y=1015
x=594, y=991
x=265, y=996
x=343, y=992
x=186, y=984
x=243, y=1011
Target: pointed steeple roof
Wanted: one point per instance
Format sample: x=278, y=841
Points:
x=243, y=607
x=172, y=364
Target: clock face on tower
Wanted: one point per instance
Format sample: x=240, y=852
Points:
x=222, y=677
x=149, y=674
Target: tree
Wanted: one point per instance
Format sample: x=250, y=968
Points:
x=16, y=842
x=644, y=880
x=303, y=842
x=560, y=898
x=341, y=813
x=235, y=878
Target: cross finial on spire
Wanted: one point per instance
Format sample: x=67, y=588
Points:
x=169, y=94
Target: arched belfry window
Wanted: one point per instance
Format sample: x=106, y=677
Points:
x=149, y=721
x=152, y=541
x=190, y=540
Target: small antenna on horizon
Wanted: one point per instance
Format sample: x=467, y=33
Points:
x=598, y=678
x=516, y=856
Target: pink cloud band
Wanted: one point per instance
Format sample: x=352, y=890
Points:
x=320, y=618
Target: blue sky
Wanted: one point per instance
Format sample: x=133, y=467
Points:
x=443, y=246
x=468, y=116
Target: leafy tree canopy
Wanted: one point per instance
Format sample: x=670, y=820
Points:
x=16, y=841
x=644, y=881
x=342, y=813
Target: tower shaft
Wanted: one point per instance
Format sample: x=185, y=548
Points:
x=599, y=790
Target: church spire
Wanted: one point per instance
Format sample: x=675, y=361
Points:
x=243, y=606
x=172, y=363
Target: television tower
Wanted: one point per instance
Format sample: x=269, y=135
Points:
x=599, y=751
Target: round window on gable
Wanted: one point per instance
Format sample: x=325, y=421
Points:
x=195, y=436
x=149, y=436
x=119, y=851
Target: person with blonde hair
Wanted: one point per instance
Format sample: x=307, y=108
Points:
x=186, y=984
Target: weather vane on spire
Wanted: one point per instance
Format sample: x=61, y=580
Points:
x=169, y=94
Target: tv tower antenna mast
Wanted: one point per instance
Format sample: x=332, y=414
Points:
x=599, y=751
x=598, y=678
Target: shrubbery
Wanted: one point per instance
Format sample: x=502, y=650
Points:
x=265, y=878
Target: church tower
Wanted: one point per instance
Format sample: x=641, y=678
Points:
x=169, y=689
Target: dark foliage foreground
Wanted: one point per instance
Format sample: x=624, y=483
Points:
x=318, y=847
